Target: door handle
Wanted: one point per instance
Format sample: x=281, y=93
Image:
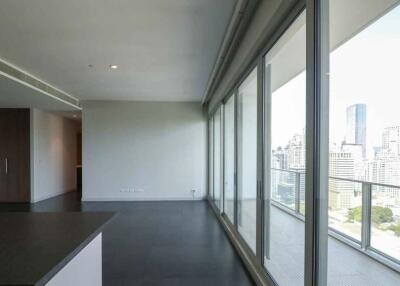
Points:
x=6, y=162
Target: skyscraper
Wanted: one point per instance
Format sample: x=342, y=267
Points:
x=342, y=193
x=385, y=167
x=356, y=133
x=391, y=140
x=356, y=151
x=296, y=152
x=279, y=158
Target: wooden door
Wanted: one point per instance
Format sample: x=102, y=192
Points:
x=15, y=154
x=3, y=169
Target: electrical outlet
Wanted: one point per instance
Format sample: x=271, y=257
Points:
x=127, y=190
x=131, y=190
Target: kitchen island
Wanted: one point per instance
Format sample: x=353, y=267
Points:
x=51, y=248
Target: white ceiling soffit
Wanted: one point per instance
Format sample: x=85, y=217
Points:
x=164, y=50
x=348, y=19
x=14, y=94
x=47, y=92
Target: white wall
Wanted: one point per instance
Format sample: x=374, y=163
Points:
x=53, y=154
x=155, y=150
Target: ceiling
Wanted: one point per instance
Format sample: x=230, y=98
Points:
x=165, y=50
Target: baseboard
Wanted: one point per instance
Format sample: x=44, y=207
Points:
x=122, y=199
x=42, y=198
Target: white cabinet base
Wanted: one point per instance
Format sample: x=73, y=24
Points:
x=85, y=269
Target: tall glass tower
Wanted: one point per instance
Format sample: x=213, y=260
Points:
x=356, y=127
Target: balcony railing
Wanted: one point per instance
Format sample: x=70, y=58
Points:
x=365, y=215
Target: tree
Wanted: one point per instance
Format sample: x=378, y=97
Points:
x=395, y=229
x=354, y=214
x=379, y=215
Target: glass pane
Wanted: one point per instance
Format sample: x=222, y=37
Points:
x=284, y=223
x=385, y=220
x=229, y=157
x=283, y=188
x=247, y=156
x=211, y=158
x=345, y=207
x=217, y=158
x=302, y=199
x=363, y=145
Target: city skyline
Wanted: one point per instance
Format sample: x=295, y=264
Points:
x=355, y=77
x=347, y=158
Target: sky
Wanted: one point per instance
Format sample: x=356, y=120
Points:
x=366, y=69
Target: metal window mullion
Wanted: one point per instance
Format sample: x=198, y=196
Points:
x=220, y=167
x=236, y=159
x=267, y=160
x=317, y=143
x=211, y=172
x=222, y=158
x=366, y=215
x=213, y=196
x=239, y=162
x=208, y=157
x=260, y=161
x=219, y=183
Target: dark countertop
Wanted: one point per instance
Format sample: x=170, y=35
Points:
x=35, y=246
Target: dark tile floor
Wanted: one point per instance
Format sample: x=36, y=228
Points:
x=158, y=243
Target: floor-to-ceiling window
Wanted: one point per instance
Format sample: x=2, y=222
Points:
x=217, y=158
x=229, y=158
x=247, y=159
x=354, y=177
x=364, y=141
x=285, y=105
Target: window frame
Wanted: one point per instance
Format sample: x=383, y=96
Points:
x=315, y=263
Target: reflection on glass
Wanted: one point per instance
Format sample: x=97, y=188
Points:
x=286, y=86
x=229, y=157
x=217, y=158
x=247, y=159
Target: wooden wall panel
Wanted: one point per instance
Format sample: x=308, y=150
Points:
x=15, y=182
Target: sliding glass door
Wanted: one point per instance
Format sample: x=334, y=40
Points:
x=217, y=158
x=364, y=154
x=229, y=158
x=247, y=159
x=310, y=171
x=285, y=105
